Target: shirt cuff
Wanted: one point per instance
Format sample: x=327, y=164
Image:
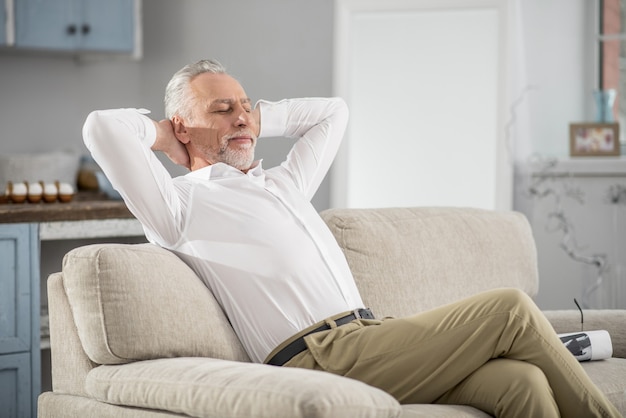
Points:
x=273, y=118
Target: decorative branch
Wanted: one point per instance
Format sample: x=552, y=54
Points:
x=558, y=221
x=570, y=246
x=558, y=218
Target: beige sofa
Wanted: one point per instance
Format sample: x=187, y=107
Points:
x=134, y=333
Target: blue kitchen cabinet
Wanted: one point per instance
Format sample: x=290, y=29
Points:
x=75, y=25
x=15, y=381
x=112, y=25
x=20, y=356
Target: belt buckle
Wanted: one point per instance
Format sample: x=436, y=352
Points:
x=363, y=313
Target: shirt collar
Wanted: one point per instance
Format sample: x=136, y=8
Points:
x=221, y=170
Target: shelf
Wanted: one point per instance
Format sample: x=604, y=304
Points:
x=582, y=167
x=84, y=206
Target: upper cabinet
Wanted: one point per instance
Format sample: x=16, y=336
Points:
x=111, y=24
x=74, y=25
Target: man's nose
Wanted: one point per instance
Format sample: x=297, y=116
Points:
x=243, y=118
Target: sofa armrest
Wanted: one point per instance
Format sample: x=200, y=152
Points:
x=206, y=387
x=139, y=301
x=611, y=320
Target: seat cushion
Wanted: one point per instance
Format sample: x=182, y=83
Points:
x=202, y=387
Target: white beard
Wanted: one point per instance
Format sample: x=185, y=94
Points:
x=241, y=159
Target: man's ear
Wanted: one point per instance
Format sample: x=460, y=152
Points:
x=180, y=130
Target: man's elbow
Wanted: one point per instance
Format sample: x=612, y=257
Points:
x=93, y=124
x=101, y=126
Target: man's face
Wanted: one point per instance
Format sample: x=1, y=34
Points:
x=221, y=128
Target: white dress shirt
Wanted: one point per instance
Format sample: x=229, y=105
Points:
x=254, y=238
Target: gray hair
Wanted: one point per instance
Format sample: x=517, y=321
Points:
x=177, y=95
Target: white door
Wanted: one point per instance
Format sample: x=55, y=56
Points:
x=425, y=83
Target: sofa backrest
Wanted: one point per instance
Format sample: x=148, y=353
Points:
x=407, y=260
x=139, y=302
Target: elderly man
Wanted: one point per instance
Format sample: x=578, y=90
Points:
x=252, y=235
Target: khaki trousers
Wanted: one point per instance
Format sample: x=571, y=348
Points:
x=494, y=351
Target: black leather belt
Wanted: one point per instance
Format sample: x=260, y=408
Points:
x=298, y=345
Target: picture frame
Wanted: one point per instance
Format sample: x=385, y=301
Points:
x=594, y=139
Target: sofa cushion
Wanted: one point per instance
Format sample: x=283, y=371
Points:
x=610, y=377
x=138, y=301
x=202, y=387
x=446, y=254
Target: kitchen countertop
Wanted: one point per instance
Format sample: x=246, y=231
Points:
x=84, y=206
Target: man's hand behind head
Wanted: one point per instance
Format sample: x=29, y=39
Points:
x=167, y=143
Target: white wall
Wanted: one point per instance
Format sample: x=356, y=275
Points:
x=276, y=48
x=560, y=69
